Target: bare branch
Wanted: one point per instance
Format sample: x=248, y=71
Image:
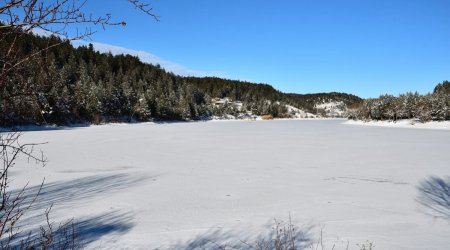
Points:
x=144, y=7
x=20, y=17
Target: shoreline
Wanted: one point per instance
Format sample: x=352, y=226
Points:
x=413, y=124
x=406, y=123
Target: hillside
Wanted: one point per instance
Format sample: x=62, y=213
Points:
x=432, y=106
x=70, y=85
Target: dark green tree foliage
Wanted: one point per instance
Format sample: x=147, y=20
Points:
x=434, y=106
x=264, y=99
x=443, y=88
x=70, y=85
x=308, y=101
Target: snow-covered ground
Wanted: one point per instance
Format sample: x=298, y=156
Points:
x=144, y=186
x=298, y=113
x=333, y=109
x=404, y=124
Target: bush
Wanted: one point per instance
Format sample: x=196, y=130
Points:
x=14, y=204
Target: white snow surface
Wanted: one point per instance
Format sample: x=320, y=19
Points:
x=298, y=113
x=333, y=108
x=168, y=185
x=403, y=124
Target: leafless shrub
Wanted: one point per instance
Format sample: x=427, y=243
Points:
x=320, y=245
x=284, y=236
x=281, y=236
x=18, y=18
x=14, y=204
x=366, y=246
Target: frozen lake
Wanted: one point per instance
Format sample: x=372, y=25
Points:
x=150, y=185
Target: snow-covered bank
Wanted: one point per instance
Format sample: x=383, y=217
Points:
x=403, y=124
x=259, y=118
x=150, y=185
x=227, y=118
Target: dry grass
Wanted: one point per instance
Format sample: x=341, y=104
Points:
x=267, y=117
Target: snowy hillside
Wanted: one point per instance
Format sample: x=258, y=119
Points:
x=331, y=109
x=184, y=185
x=227, y=109
x=299, y=113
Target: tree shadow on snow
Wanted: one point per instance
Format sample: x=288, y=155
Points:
x=69, y=194
x=240, y=239
x=35, y=128
x=434, y=196
x=66, y=193
x=76, y=233
x=91, y=229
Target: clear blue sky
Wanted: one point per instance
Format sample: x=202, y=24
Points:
x=364, y=47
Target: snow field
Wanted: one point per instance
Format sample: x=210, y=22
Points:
x=165, y=185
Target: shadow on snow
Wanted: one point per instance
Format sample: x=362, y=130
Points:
x=66, y=193
x=238, y=239
x=434, y=196
x=75, y=234
x=71, y=194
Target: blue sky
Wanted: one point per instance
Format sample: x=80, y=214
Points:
x=362, y=47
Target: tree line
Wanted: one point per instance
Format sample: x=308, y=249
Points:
x=264, y=99
x=433, y=106
x=65, y=85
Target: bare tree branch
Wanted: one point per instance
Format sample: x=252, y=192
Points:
x=144, y=7
x=64, y=19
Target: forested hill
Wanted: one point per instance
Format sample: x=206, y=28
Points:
x=252, y=92
x=432, y=106
x=309, y=101
x=65, y=85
